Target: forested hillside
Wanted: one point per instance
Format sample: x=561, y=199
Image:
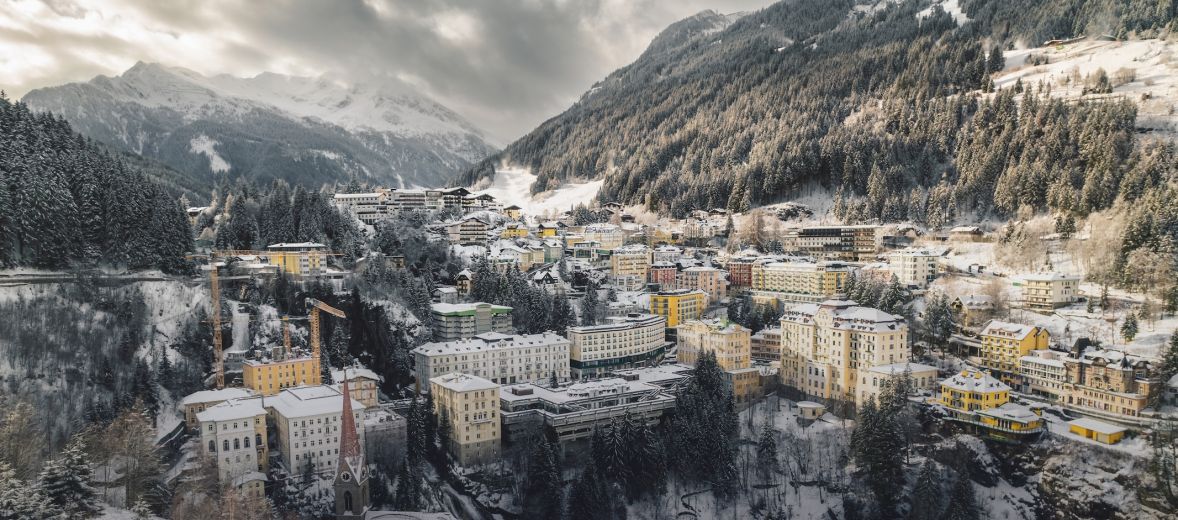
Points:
x=889, y=106
x=64, y=202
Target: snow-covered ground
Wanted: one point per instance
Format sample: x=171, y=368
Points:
x=1154, y=89
x=513, y=186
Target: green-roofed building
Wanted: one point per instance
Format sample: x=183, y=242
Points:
x=466, y=320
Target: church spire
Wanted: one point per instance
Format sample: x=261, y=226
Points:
x=350, y=452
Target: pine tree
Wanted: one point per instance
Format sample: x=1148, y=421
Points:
x=141, y=510
x=767, y=451
x=65, y=482
x=543, y=493
x=445, y=433
x=926, y=501
x=21, y=501
x=589, y=305
x=1129, y=327
x=408, y=496
x=1169, y=365
x=963, y=503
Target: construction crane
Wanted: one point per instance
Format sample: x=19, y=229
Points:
x=314, y=307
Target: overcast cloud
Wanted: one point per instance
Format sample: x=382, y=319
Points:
x=506, y=65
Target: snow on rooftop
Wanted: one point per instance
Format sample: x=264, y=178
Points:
x=459, y=382
x=208, y=396
x=973, y=381
x=233, y=409
x=1097, y=426
x=307, y=401
x=896, y=369
x=1003, y=328
x=354, y=372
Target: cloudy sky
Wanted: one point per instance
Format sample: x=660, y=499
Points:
x=505, y=64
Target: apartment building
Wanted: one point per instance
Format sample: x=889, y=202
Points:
x=1043, y=373
x=679, y=305
x=307, y=423
x=471, y=404
x=454, y=321
x=1003, y=343
x=233, y=433
x=608, y=236
x=850, y=243
x=740, y=270
x=1047, y=292
x=765, y=345
x=622, y=342
x=797, y=282
x=298, y=259
x=629, y=266
x=501, y=358
x=363, y=384
x=710, y=280
x=468, y=231
x=575, y=411
x=825, y=345
x=663, y=274
x=667, y=253
x=1108, y=381
x=728, y=341
x=268, y=376
x=914, y=267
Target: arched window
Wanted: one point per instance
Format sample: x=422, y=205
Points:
x=212, y=446
x=237, y=444
x=348, y=501
x=258, y=439
x=225, y=445
x=246, y=441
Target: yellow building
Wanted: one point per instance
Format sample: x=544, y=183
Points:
x=629, y=266
x=547, y=229
x=512, y=212
x=1004, y=343
x=471, y=404
x=298, y=259
x=728, y=341
x=678, y=306
x=514, y=230
x=272, y=376
x=1096, y=430
x=982, y=403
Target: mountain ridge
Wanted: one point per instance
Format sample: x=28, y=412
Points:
x=270, y=126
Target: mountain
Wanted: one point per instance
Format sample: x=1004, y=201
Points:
x=886, y=105
x=308, y=131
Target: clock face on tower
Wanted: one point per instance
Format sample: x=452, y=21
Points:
x=346, y=477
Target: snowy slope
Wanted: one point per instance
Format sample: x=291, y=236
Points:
x=512, y=186
x=271, y=126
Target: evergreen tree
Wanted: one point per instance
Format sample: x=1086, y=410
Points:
x=65, y=482
x=926, y=500
x=1169, y=365
x=408, y=496
x=589, y=305
x=445, y=433
x=21, y=501
x=543, y=493
x=877, y=444
x=1129, y=327
x=704, y=429
x=767, y=451
x=963, y=502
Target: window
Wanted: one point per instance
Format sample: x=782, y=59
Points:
x=236, y=444
x=225, y=445
x=212, y=446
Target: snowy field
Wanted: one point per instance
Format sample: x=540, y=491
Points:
x=513, y=186
x=1154, y=89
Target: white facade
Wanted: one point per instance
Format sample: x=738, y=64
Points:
x=872, y=380
x=1046, y=292
x=307, y=422
x=500, y=358
x=233, y=434
x=622, y=342
x=914, y=267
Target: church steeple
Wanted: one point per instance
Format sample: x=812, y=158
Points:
x=351, y=474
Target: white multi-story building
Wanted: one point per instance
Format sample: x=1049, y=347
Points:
x=914, y=267
x=872, y=380
x=233, y=434
x=1043, y=373
x=824, y=346
x=465, y=320
x=667, y=253
x=608, y=236
x=622, y=342
x=307, y=425
x=468, y=231
x=1047, y=292
x=798, y=282
x=498, y=357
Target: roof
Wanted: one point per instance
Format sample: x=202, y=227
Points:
x=306, y=401
x=975, y=381
x=459, y=382
x=467, y=309
x=1012, y=412
x=1002, y=328
x=621, y=323
x=234, y=409
x=296, y=245
x=847, y=315
x=810, y=404
x=491, y=341
x=576, y=392
x=354, y=372
x=1050, y=277
x=209, y=396
x=1097, y=426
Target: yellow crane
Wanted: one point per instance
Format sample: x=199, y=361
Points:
x=315, y=306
